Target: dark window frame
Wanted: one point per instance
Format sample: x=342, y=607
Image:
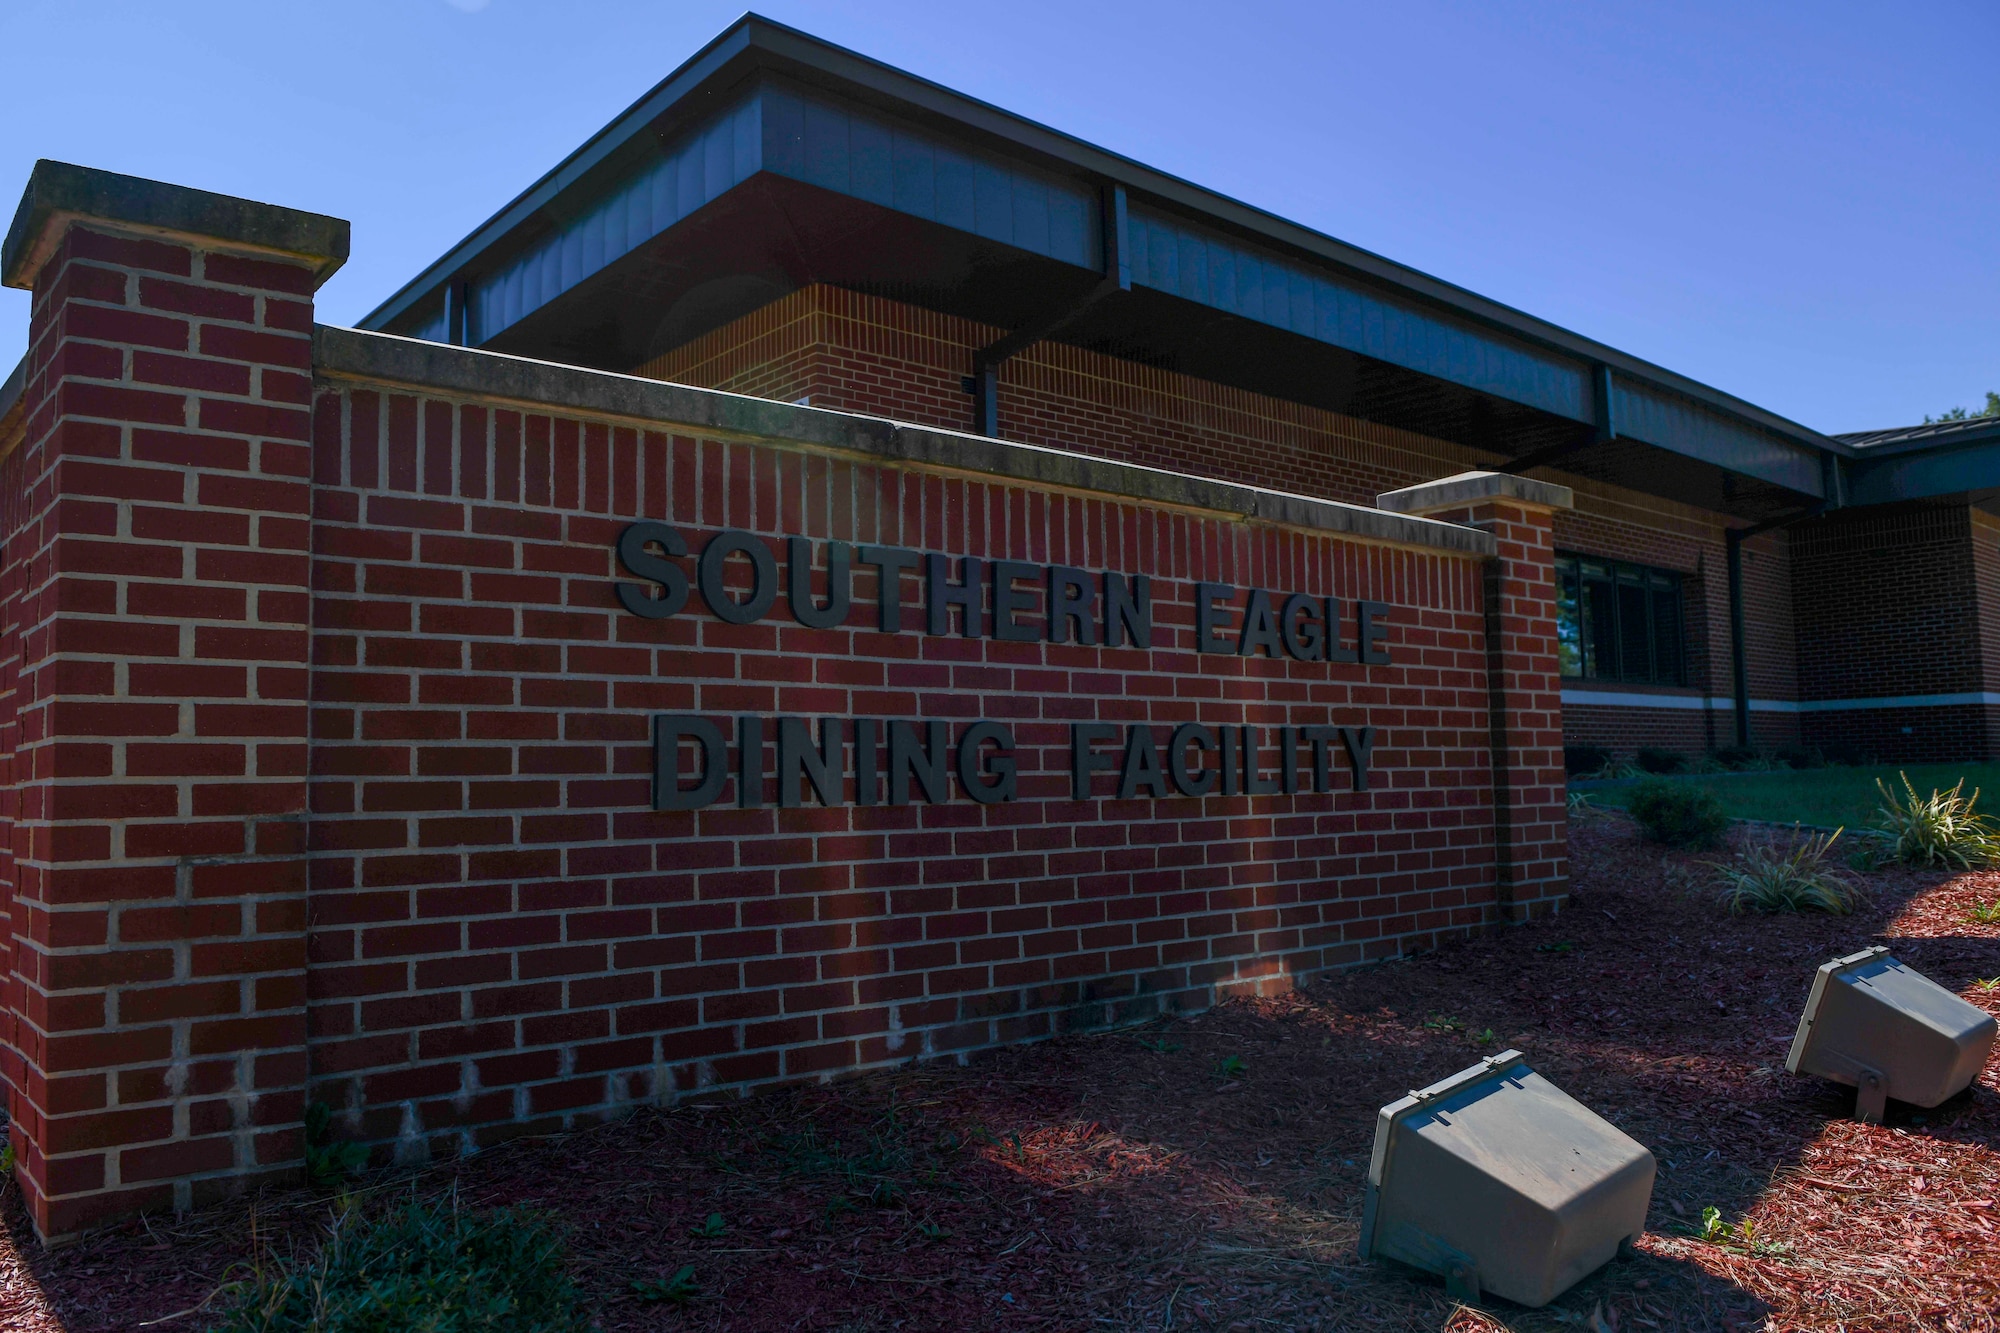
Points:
x=1620, y=622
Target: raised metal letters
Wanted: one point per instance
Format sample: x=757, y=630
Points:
x=1112, y=609
x=923, y=760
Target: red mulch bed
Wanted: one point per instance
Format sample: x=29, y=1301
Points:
x=1207, y=1173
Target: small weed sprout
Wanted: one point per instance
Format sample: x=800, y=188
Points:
x=709, y=1227
x=1869, y=857
x=1767, y=877
x=1230, y=1066
x=329, y=1160
x=1556, y=946
x=1944, y=829
x=1741, y=1237
x=678, y=1289
x=1987, y=984
x=1986, y=914
x=1484, y=1038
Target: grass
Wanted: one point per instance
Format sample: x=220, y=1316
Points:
x=428, y=1266
x=1817, y=797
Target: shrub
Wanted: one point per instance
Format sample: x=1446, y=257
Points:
x=1653, y=759
x=427, y=1266
x=1767, y=877
x=1678, y=814
x=1737, y=758
x=1579, y=760
x=1792, y=756
x=1942, y=829
x=1846, y=754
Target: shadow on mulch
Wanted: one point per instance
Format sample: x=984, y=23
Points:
x=1207, y=1173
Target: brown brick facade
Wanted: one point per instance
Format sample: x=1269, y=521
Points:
x=1896, y=602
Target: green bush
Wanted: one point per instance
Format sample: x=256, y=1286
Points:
x=427, y=1267
x=1942, y=829
x=1678, y=814
x=1766, y=877
x=1738, y=758
x=1653, y=759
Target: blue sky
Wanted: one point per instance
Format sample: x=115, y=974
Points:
x=1796, y=202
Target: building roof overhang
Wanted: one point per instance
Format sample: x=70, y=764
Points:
x=772, y=159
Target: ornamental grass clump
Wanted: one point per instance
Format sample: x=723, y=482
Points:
x=426, y=1267
x=1943, y=829
x=1797, y=877
x=1678, y=814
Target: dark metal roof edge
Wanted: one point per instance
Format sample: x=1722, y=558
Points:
x=15, y=385
x=754, y=34
x=1974, y=430
x=367, y=354
x=622, y=129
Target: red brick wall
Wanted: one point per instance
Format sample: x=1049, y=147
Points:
x=506, y=937
x=869, y=354
x=1524, y=705
x=153, y=721
x=857, y=353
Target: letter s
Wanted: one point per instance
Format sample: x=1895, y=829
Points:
x=632, y=553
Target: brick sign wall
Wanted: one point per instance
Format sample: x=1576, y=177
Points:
x=497, y=907
x=413, y=845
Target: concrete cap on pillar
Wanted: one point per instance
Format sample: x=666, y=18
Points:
x=59, y=193
x=1469, y=488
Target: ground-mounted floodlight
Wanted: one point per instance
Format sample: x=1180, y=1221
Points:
x=1503, y=1183
x=1889, y=1031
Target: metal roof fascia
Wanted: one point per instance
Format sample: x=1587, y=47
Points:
x=947, y=104
x=625, y=127
x=1917, y=474
x=754, y=35
x=1963, y=439
x=14, y=387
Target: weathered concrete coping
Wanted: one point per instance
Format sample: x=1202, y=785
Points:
x=1468, y=488
x=59, y=193
x=358, y=354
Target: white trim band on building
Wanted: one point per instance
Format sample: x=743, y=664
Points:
x=1636, y=699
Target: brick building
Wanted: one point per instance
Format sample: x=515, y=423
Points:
x=833, y=574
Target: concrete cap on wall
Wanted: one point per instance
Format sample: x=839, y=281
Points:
x=1469, y=488
x=360, y=354
x=59, y=194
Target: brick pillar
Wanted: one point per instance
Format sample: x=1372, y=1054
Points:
x=1524, y=681
x=155, y=600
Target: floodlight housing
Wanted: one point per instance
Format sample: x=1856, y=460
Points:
x=1501, y=1182
x=1887, y=1030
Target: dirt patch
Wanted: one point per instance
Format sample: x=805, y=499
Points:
x=1207, y=1173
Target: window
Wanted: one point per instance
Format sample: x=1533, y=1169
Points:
x=1618, y=622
